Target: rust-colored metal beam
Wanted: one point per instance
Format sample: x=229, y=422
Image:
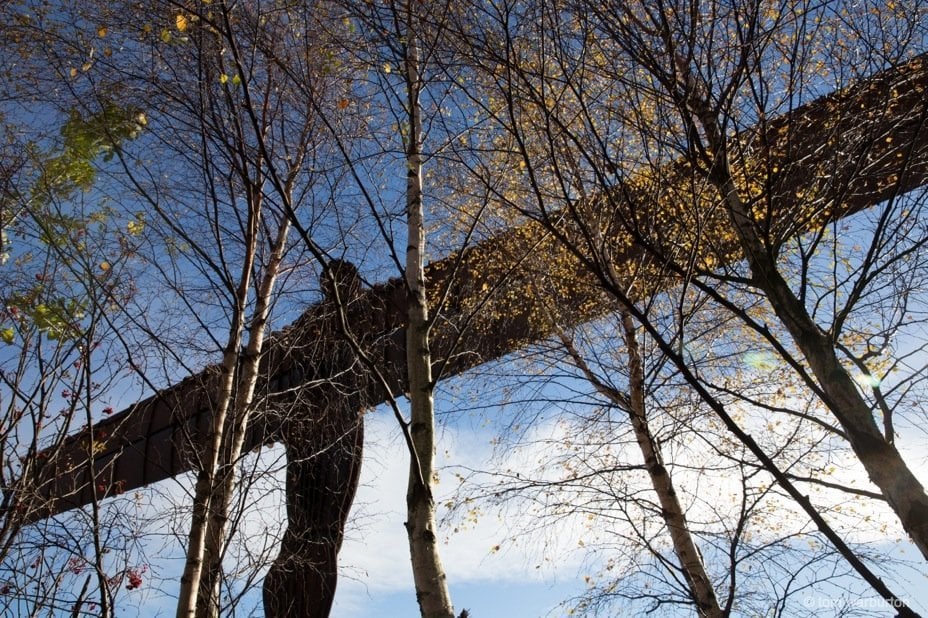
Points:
x=881, y=119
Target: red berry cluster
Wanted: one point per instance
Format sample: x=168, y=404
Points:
x=135, y=578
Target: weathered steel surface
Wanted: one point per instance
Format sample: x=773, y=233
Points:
x=878, y=126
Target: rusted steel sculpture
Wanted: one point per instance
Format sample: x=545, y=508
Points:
x=881, y=119
x=324, y=444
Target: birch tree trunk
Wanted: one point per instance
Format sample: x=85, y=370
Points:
x=234, y=436
x=674, y=517
x=879, y=456
x=633, y=403
x=204, y=490
x=428, y=573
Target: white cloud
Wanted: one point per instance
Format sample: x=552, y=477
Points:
x=375, y=556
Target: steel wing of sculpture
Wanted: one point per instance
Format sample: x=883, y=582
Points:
x=491, y=306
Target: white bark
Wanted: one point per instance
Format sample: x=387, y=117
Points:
x=216, y=478
x=235, y=434
x=694, y=570
x=692, y=566
x=428, y=573
x=204, y=491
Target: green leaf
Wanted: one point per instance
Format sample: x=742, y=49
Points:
x=86, y=139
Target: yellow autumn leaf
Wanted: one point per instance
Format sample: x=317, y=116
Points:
x=105, y=266
x=73, y=72
x=181, y=22
x=165, y=35
x=223, y=78
x=101, y=31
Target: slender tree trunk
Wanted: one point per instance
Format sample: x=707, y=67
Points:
x=204, y=490
x=691, y=564
x=234, y=438
x=883, y=463
x=428, y=573
x=106, y=595
x=690, y=560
